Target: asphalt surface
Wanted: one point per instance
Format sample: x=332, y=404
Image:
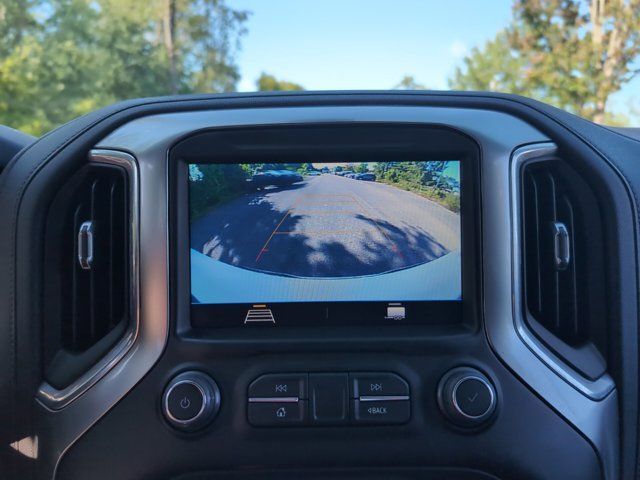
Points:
x=327, y=226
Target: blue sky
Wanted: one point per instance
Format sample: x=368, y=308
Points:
x=371, y=44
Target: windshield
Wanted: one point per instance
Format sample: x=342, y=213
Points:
x=62, y=58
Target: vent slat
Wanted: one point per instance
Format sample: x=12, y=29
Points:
x=568, y=299
x=98, y=298
x=70, y=328
x=80, y=286
x=87, y=281
x=120, y=284
x=560, y=213
x=93, y=307
x=112, y=253
x=550, y=291
x=533, y=221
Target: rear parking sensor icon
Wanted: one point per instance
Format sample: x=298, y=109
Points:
x=395, y=311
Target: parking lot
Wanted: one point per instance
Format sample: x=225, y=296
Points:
x=327, y=226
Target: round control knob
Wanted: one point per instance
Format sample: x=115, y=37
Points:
x=190, y=401
x=466, y=397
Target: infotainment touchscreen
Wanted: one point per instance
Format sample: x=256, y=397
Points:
x=298, y=243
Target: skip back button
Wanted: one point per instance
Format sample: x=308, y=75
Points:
x=279, y=385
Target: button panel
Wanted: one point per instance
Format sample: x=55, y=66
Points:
x=328, y=399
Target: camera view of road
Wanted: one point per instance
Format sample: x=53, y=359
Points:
x=327, y=226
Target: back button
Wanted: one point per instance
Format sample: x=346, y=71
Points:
x=381, y=412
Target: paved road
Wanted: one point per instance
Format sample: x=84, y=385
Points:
x=327, y=226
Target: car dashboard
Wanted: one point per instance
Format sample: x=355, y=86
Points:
x=318, y=321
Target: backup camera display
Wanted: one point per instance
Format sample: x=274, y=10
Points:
x=263, y=234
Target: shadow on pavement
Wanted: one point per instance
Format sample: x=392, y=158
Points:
x=279, y=188
x=237, y=233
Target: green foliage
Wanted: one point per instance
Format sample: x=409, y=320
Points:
x=492, y=67
x=305, y=168
x=570, y=53
x=294, y=167
x=424, y=178
x=451, y=201
x=16, y=22
x=361, y=168
x=63, y=58
x=213, y=184
x=409, y=83
x=269, y=83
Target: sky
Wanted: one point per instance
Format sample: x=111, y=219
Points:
x=371, y=44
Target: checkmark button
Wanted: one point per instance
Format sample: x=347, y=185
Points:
x=473, y=396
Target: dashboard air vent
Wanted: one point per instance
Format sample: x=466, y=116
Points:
x=564, y=273
x=87, y=256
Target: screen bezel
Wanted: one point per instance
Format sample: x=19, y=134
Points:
x=239, y=145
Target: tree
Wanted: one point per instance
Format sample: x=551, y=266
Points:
x=571, y=53
x=433, y=174
x=269, y=83
x=212, y=184
x=409, y=83
x=62, y=58
x=424, y=178
x=305, y=168
x=361, y=168
x=16, y=21
x=493, y=67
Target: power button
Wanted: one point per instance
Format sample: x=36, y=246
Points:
x=185, y=400
x=191, y=400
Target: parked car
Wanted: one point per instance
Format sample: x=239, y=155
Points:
x=368, y=177
x=275, y=178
